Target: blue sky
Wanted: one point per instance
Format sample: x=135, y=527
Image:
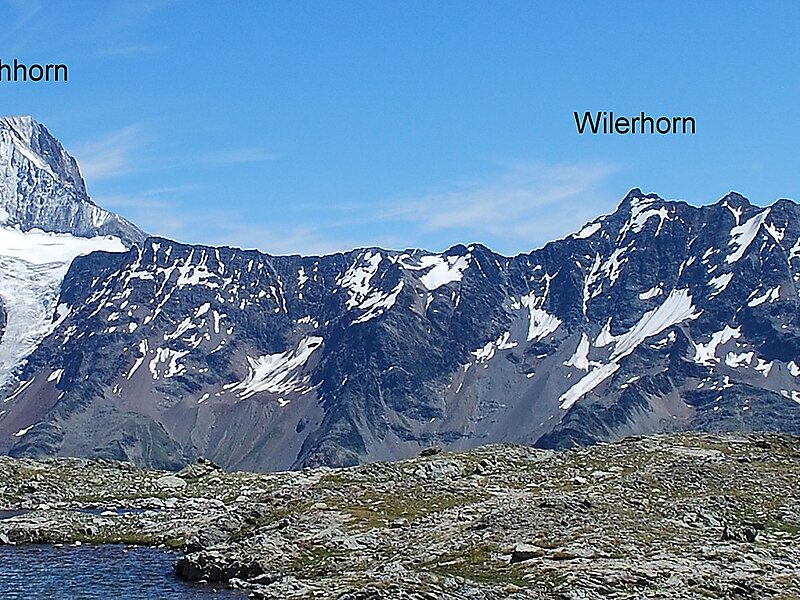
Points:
x=311, y=127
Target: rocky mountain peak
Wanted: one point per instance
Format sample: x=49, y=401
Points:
x=31, y=141
x=42, y=187
x=635, y=196
x=734, y=200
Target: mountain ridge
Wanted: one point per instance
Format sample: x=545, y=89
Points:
x=660, y=316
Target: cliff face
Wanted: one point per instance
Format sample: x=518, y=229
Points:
x=42, y=188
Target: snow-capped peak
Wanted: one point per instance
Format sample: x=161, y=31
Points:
x=41, y=186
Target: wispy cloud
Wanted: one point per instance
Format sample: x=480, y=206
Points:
x=120, y=153
x=523, y=205
x=519, y=208
x=109, y=156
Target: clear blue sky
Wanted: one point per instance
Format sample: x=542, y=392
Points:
x=308, y=127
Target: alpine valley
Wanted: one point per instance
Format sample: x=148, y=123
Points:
x=659, y=317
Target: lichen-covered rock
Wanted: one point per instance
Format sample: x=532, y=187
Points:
x=669, y=516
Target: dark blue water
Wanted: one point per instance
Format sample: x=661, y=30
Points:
x=97, y=572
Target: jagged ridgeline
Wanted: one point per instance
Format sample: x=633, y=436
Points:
x=661, y=316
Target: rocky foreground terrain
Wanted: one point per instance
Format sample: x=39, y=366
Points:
x=668, y=516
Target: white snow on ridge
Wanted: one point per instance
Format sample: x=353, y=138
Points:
x=588, y=231
x=443, y=270
x=275, y=373
x=641, y=213
x=743, y=235
x=32, y=266
x=677, y=307
x=736, y=211
x=20, y=132
x=356, y=279
x=378, y=303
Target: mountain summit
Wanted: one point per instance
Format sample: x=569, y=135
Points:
x=42, y=188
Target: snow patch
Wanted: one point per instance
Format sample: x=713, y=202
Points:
x=22, y=432
x=580, y=360
x=587, y=383
x=378, y=303
x=705, y=354
x=734, y=360
x=677, y=307
x=588, y=231
x=356, y=279
x=743, y=235
x=276, y=373
x=486, y=353
x=651, y=293
x=301, y=277
x=56, y=375
x=772, y=295
x=719, y=283
x=170, y=358
x=443, y=271
x=763, y=367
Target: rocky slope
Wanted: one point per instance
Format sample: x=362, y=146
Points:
x=668, y=516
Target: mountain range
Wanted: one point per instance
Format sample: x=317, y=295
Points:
x=113, y=344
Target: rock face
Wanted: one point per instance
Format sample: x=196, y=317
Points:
x=669, y=516
x=42, y=188
x=658, y=317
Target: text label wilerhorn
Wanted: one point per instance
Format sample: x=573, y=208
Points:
x=606, y=123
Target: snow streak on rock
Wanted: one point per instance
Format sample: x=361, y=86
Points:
x=278, y=373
